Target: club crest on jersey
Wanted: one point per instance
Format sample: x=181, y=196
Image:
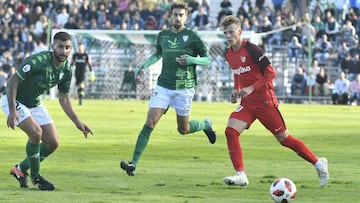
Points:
x=243, y=59
x=26, y=68
x=185, y=38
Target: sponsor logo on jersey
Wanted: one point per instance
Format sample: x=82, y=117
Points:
x=241, y=70
x=173, y=44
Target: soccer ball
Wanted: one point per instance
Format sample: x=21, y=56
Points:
x=283, y=190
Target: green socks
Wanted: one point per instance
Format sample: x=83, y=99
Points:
x=44, y=152
x=33, y=156
x=141, y=143
x=196, y=125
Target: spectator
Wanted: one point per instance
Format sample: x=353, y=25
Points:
x=315, y=68
x=164, y=21
x=6, y=18
x=307, y=30
x=33, y=16
x=294, y=49
x=116, y=19
x=62, y=18
x=319, y=26
x=71, y=23
x=123, y=5
x=5, y=43
x=355, y=90
x=347, y=33
x=201, y=20
x=266, y=26
x=29, y=45
x=342, y=51
x=323, y=49
x=136, y=19
x=18, y=21
x=41, y=28
x=298, y=83
x=225, y=9
x=322, y=83
x=310, y=84
x=151, y=23
x=128, y=83
x=341, y=90
x=354, y=68
x=332, y=28
x=346, y=64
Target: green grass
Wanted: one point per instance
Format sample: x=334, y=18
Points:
x=176, y=168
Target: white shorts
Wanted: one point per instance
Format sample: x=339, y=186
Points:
x=180, y=100
x=39, y=113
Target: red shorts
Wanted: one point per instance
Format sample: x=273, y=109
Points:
x=269, y=116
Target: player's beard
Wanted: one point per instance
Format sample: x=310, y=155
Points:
x=60, y=58
x=177, y=25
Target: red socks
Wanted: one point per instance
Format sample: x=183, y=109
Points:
x=300, y=148
x=235, y=152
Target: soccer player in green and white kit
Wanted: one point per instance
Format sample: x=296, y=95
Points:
x=181, y=49
x=37, y=74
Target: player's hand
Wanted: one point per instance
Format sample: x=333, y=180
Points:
x=234, y=96
x=182, y=60
x=246, y=91
x=92, y=76
x=11, y=120
x=84, y=129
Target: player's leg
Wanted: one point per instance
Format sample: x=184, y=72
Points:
x=158, y=105
x=81, y=92
x=272, y=119
x=48, y=145
x=239, y=120
x=181, y=101
x=28, y=124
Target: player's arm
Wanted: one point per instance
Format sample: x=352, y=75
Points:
x=189, y=60
x=92, y=76
x=151, y=60
x=64, y=100
x=266, y=78
x=11, y=90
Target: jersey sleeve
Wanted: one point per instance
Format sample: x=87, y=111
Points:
x=262, y=61
x=26, y=69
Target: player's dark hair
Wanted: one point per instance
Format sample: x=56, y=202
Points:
x=229, y=20
x=179, y=5
x=63, y=36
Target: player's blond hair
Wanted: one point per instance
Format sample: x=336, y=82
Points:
x=229, y=20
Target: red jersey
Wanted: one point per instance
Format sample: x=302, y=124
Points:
x=250, y=66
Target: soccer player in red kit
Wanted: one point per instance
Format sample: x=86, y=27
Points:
x=253, y=76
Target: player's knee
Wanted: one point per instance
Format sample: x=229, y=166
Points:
x=231, y=132
x=34, y=133
x=53, y=145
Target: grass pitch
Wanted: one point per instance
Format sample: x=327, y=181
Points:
x=176, y=168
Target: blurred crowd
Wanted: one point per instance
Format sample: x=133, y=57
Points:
x=331, y=27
